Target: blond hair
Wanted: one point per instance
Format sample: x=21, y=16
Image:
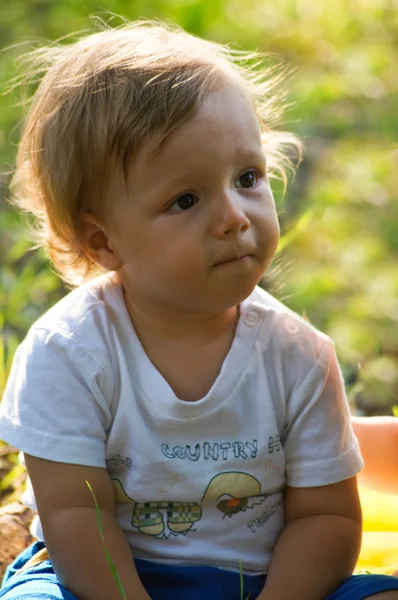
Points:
x=99, y=99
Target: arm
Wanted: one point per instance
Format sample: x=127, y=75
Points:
x=378, y=439
x=319, y=545
x=68, y=517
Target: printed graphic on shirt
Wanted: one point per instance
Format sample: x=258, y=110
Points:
x=118, y=461
x=269, y=511
x=230, y=492
x=150, y=517
x=217, y=450
x=233, y=492
x=274, y=444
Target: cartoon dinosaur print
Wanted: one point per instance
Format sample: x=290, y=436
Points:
x=231, y=492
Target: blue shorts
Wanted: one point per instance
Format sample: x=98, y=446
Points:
x=164, y=582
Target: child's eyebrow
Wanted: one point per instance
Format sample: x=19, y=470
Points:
x=186, y=173
x=254, y=155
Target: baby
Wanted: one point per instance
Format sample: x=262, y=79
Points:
x=209, y=420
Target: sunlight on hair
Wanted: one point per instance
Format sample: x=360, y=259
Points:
x=100, y=96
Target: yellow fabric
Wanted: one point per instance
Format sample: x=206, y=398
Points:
x=379, y=552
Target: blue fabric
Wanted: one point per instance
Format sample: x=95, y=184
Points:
x=164, y=582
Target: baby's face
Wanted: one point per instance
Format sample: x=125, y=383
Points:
x=197, y=227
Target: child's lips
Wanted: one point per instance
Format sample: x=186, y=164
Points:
x=234, y=259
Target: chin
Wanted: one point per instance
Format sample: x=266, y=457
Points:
x=236, y=295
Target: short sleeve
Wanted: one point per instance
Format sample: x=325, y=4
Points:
x=54, y=406
x=319, y=443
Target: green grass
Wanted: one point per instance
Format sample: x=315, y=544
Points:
x=107, y=554
x=241, y=583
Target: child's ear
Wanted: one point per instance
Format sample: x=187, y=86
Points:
x=95, y=243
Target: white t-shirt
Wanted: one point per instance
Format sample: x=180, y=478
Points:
x=196, y=482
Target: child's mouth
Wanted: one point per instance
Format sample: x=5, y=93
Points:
x=241, y=258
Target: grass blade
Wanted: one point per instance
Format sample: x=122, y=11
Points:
x=241, y=579
x=108, y=556
x=241, y=583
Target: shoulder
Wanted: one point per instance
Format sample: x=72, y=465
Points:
x=62, y=391
x=285, y=332
x=78, y=306
x=82, y=322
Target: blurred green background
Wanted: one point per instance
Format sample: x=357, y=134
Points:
x=338, y=257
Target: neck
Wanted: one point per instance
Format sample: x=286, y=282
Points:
x=175, y=325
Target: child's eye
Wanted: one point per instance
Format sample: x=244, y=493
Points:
x=184, y=202
x=248, y=179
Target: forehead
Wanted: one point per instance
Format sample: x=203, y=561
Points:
x=224, y=126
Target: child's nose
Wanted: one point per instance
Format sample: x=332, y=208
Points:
x=230, y=217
